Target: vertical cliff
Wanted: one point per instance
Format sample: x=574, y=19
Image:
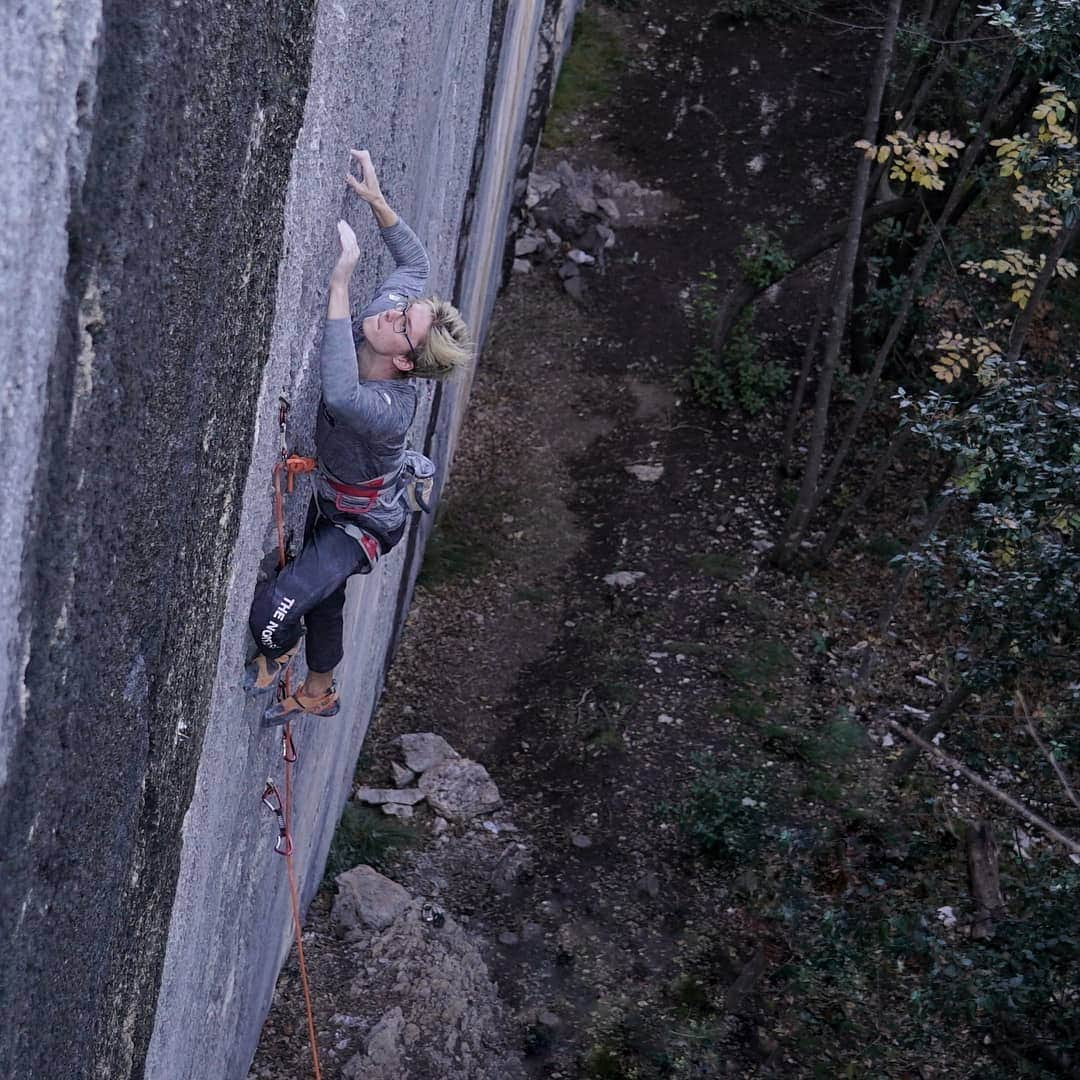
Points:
x=175, y=170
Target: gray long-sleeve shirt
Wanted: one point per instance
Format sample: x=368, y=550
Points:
x=362, y=423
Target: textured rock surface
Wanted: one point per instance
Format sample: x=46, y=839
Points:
x=447, y=1019
x=459, y=789
x=406, y=796
x=367, y=899
x=424, y=749
x=172, y=174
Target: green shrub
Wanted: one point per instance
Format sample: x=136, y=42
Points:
x=762, y=259
x=738, y=377
x=365, y=837
x=722, y=813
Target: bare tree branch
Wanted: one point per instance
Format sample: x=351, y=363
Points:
x=1029, y=815
x=1021, y=709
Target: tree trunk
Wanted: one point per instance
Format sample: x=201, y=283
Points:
x=1023, y=322
x=968, y=161
x=934, y=726
x=800, y=514
x=804, y=373
x=983, y=878
x=888, y=456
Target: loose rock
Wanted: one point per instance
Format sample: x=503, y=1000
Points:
x=449, y=1006
x=367, y=899
x=381, y=1059
x=649, y=885
x=527, y=244
x=425, y=749
x=460, y=789
x=623, y=579
x=575, y=287
x=648, y=474
x=402, y=777
x=513, y=864
x=377, y=796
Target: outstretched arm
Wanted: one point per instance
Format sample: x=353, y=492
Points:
x=359, y=404
x=411, y=266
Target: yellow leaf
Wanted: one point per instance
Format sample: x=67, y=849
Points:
x=883, y=154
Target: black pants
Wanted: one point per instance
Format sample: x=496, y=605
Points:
x=310, y=590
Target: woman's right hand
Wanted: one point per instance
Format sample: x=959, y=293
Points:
x=347, y=260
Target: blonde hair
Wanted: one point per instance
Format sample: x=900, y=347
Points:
x=447, y=346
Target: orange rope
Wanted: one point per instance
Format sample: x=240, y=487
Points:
x=291, y=466
x=294, y=895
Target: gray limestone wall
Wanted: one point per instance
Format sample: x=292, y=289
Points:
x=172, y=173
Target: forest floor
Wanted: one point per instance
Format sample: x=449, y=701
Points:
x=713, y=682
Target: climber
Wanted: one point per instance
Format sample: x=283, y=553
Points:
x=361, y=505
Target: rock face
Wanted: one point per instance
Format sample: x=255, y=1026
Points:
x=168, y=223
x=459, y=789
x=447, y=1018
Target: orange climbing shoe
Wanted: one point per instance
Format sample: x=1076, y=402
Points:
x=262, y=672
x=297, y=703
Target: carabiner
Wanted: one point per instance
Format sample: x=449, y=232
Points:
x=283, y=845
x=271, y=799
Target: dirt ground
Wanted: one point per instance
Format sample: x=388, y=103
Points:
x=590, y=703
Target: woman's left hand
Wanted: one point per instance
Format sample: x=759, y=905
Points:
x=350, y=255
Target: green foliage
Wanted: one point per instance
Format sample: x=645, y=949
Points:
x=722, y=814
x=718, y=565
x=1046, y=33
x=589, y=75
x=605, y=1063
x=745, y=707
x=832, y=747
x=1015, y=990
x=365, y=837
x=762, y=259
x=739, y=377
x=1010, y=577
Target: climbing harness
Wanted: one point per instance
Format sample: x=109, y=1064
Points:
x=412, y=483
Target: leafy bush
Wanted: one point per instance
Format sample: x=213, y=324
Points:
x=722, y=814
x=762, y=259
x=1010, y=578
x=738, y=377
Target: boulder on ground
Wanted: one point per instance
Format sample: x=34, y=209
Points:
x=366, y=899
x=459, y=789
x=423, y=749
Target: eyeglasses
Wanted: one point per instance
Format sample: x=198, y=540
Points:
x=401, y=325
